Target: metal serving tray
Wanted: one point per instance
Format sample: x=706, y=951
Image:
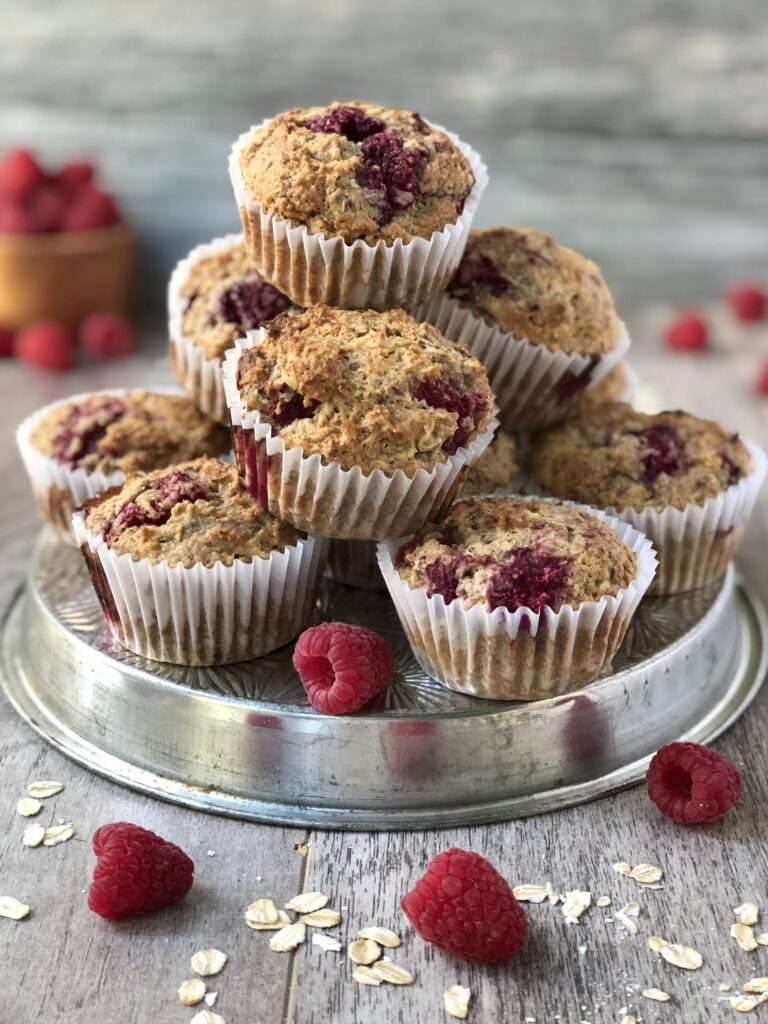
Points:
x=241, y=739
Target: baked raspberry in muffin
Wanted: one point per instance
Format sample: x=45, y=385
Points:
x=511, y=598
x=358, y=171
x=243, y=582
x=495, y=470
x=686, y=482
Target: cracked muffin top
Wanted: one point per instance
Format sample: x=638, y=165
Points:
x=512, y=553
x=367, y=389
x=138, y=430
x=225, y=296
x=358, y=171
x=497, y=467
x=612, y=456
x=195, y=512
x=521, y=281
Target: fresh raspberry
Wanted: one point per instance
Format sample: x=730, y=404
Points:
x=464, y=906
x=74, y=176
x=691, y=783
x=688, y=331
x=15, y=218
x=748, y=301
x=137, y=872
x=341, y=666
x=20, y=173
x=91, y=208
x=762, y=380
x=47, y=344
x=107, y=335
x=6, y=342
x=47, y=206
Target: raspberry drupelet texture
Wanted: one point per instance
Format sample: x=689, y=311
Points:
x=691, y=783
x=342, y=667
x=137, y=872
x=464, y=906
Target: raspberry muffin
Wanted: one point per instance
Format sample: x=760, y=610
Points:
x=619, y=385
x=355, y=205
x=215, y=295
x=78, y=447
x=226, y=580
x=355, y=424
x=538, y=315
x=686, y=482
x=517, y=599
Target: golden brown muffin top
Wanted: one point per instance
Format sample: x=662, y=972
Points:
x=521, y=281
x=195, y=512
x=139, y=430
x=609, y=388
x=367, y=389
x=512, y=553
x=357, y=170
x=496, y=468
x=225, y=296
x=612, y=456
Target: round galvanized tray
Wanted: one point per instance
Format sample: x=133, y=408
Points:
x=241, y=739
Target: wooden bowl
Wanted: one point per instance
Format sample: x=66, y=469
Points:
x=65, y=275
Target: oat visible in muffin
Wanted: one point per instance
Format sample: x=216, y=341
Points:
x=138, y=430
x=367, y=389
x=512, y=553
x=195, y=512
x=612, y=456
x=359, y=171
x=496, y=468
x=521, y=281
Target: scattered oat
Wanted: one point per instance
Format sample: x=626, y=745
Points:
x=58, y=834
x=622, y=867
x=657, y=995
x=207, y=1017
x=321, y=918
x=747, y=913
x=762, y=939
x=365, y=976
x=745, y=937
x=306, y=902
x=656, y=943
x=288, y=938
x=210, y=853
x=387, y=970
x=326, y=942
x=208, y=962
x=758, y=985
x=41, y=790
x=646, y=874
x=725, y=986
x=625, y=916
x=33, y=835
x=456, y=1000
x=28, y=807
x=603, y=901
x=383, y=936
x=628, y=1019
x=364, y=951
x=210, y=998
x=744, y=1004
x=13, y=908
x=576, y=902
x=302, y=848
x=677, y=955
x=191, y=992
x=263, y=912
x=531, y=893
x=282, y=920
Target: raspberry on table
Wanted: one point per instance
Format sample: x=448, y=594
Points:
x=748, y=301
x=464, y=906
x=107, y=335
x=688, y=331
x=691, y=783
x=341, y=666
x=47, y=344
x=137, y=872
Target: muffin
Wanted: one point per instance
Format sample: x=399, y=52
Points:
x=81, y=446
x=538, y=315
x=190, y=570
x=517, y=599
x=685, y=482
x=215, y=295
x=355, y=205
x=618, y=385
x=353, y=423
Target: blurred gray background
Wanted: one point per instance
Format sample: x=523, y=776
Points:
x=636, y=130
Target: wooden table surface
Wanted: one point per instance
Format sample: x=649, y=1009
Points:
x=64, y=964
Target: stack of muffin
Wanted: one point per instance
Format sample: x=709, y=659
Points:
x=365, y=344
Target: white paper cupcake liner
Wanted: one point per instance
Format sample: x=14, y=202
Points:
x=198, y=375
x=204, y=615
x=327, y=499
x=521, y=655
x=58, y=489
x=313, y=269
x=534, y=387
